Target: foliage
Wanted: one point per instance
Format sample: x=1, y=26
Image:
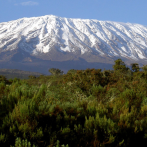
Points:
x=135, y=67
x=88, y=108
x=119, y=66
x=32, y=77
x=144, y=68
x=55, y=71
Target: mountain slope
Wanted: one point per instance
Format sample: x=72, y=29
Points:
x=50, y=38
x=14, y=73
x=42, y=34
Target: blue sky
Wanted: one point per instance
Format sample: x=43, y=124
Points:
x=133, y=11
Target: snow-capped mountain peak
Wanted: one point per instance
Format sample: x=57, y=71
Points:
x=105, y=38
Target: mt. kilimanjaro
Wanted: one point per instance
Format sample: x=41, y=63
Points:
x=40, y=43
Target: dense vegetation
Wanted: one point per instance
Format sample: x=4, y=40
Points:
x=83, y=108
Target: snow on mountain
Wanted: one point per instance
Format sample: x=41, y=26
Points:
x=40, y=34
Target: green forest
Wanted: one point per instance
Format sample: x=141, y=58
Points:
x=82, y=108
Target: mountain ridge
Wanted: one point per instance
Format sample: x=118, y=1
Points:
x=53, y=38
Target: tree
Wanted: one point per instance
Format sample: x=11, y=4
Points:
x=135, y=67
x=3, y=78
x=55, y=71
x=144, y=68
x=72, y=71
x=32, y=77
x=120, y=66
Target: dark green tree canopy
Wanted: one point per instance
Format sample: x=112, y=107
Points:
x=72, y=71
x=120, y=66
x=2, y=78
x=32, y=77
x=144, y=68
x=55, y=71
x=135, y=67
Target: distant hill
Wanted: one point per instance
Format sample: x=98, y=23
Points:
x=15, y=73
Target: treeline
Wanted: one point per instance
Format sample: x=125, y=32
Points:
x=83, y=108
x=15, y=73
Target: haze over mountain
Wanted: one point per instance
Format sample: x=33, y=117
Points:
x=39, y=43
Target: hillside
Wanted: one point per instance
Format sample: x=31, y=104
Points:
x=15, y=73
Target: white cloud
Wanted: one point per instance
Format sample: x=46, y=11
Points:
x=29, y=3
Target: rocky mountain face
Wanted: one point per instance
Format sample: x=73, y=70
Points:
x=40, y=43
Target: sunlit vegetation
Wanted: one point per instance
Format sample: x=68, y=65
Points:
x=83, y=108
